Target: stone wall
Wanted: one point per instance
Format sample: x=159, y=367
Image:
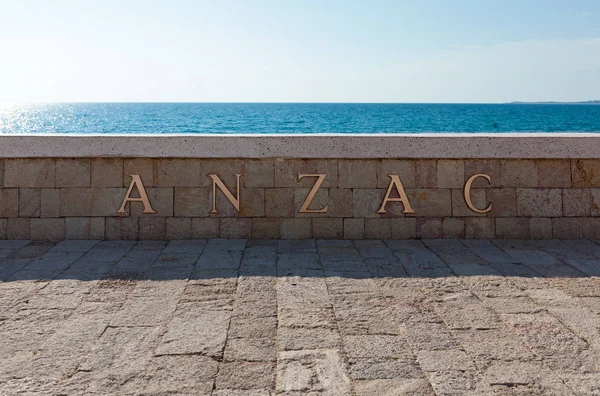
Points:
x=78, y=198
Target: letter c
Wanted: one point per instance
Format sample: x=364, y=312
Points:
x=468, y=193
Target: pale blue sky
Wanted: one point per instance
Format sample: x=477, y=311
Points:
x=304, y=50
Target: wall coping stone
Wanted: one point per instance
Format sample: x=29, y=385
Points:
x=397, y=146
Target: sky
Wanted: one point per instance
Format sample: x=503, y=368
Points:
x=465, y=51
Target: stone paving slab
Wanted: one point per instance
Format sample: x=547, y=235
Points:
x=310, y=317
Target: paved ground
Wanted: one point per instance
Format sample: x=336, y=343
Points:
x=237, y=317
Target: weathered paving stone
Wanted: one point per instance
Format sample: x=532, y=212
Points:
x=144, y=311
x=313, y=371
x=251, y=350
x=119, y=359
x=393, y=387
x=185, y=374
x=195, y=331
x=289, y=339
x=246, y=376
x=376, y=346
x=450, y=359
x=372, y=369
x=488, y=346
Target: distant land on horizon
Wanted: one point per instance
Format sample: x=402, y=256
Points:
x=594, y=102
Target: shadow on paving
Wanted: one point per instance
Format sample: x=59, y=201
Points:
x=219, y=258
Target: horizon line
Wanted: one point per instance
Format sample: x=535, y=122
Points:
x=293, y=102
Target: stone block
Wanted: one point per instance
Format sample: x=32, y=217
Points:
x=107, y=172
x=554, y=173
x=567, y=228
x=50, y=202
x=121, y=228
x=491, y=167
x=29, y=173
x=97, y=228
x=453, y=228
x=341, y=202
x=47, y=229
x=73, y=172
x=459, y=205
x=3, y=226
x=450, y=174
x=152, y=228
x=205, y=228
x=84, y=202
x=279, y=202
x=429, y=228
x=595, y=204
x=378, y=228
x=178, y=228
x=77, y=228
x=403, y=228
x=287, y=171
x=430, y=202
x=1, y=173
x=9, y=202
x=29, y=202
x=366, y=202
x=405, y=169
x=504, y=202
x=144, y=167
x=266, y=228
x=540, y=228
x=519, y=173
x=296, y=228
x=320, y=201
x=330, y=228
x=180, y=173
x=512, y=228
x=591, y=228
x=426, y=173
x=357, y=174
x=577, y=202
x=480, y=228
x=225, y=169
x=161, y=200
x=17, y=228
x=354, y=228
x=585, y=173
x=539, y=202
x=252, y=202
x=236, y=228
x=259, y=173
x=192, y=202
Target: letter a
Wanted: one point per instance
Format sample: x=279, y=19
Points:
x=235, y=201
x=395, y=182
x=136, y=181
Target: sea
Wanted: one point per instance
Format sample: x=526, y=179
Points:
x=297, y=118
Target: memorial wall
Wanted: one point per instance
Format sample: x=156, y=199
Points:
x=372, y=187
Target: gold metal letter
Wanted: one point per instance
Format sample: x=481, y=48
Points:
x=395, y=182
x=136, y=181
x=235, y=201
x=311, y=195
x=468, y=193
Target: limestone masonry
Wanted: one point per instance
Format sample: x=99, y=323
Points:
x=63, y=198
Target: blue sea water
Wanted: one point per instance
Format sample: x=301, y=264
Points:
x=164, y=118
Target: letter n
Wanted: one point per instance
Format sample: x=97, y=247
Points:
x=395, y=182
x=136, y=181
x=235, y=201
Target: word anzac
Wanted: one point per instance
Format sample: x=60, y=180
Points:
x=394, y=186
